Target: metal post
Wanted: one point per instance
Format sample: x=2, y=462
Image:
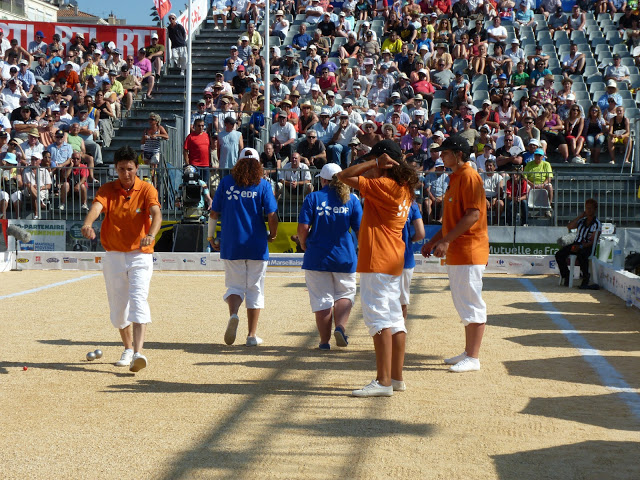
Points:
x=635, y=166
x=267, y=75
x=187, y=107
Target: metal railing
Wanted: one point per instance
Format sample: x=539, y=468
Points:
x=616, y=194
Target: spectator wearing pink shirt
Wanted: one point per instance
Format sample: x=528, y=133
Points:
x=144, y=64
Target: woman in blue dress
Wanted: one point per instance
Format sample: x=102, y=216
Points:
x=324, y=225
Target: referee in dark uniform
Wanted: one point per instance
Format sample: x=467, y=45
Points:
x=588, y=227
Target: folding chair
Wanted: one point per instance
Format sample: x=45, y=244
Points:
x=538, y=201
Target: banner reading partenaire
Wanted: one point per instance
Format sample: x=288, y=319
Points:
x=128, y=38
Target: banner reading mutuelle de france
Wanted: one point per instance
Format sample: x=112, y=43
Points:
x=128, y=38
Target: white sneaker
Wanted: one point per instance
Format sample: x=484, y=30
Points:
x=85, y=207
x=138, y=363
x=125, y=359
x=253, y=341
x=216, y=27
x=469, y=364
x=456, y=359
x=374, y=389
x=398, y=385
x=61, y=207
x=232, y=328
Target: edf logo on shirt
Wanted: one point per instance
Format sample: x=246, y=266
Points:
x=403, y=209
x=234, y=194
x=325, y=209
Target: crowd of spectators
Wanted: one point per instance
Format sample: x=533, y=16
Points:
x=344, y=78
x=59, y=103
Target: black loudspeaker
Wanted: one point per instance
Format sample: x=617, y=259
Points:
x=189, y=237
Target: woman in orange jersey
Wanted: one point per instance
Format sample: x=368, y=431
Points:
x=464, y=240
x=132, y=219
x=387, y=184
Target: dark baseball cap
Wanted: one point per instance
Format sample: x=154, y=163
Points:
x=59, y=133
x=389, y=147
x=455, y=143
x=64, y=103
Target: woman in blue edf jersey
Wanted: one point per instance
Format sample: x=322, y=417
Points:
x=330, y=254
x=241, y=201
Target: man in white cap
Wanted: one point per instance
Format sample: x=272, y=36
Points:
x=178, y=38
x=280, y=28
x=155, y=54
x=539, y=175
x=220, y=9
x=244, y=49
x=338, y=150
x=612, y=92
x=241, y=200
x=515, y=53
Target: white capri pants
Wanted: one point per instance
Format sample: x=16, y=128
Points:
x=380, y=299
x=405, y=285
x=465, y=282
x=326, y=288
x=245, y=278
x=179, y=57
x=127, y=277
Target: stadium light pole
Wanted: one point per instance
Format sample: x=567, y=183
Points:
x=187, y=106
x=267, y=71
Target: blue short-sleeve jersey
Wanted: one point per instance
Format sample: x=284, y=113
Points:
x=242, y=211
x=330, y=246
x=407, y=233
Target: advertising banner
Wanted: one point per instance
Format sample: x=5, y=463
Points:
x=199, y=9
x=46, y=235
x=129, y=39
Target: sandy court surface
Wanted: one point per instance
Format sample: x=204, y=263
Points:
x=203, y=409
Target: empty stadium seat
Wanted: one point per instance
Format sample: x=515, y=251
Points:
x=632, y=113
x=583, y=95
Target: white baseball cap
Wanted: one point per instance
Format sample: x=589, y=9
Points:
x=329, y=170
x=249, y=153
x=438, y=134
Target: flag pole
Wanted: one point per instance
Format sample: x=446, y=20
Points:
x=187, y=107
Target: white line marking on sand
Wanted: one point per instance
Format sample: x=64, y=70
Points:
x=51, y=285
x=610, y=377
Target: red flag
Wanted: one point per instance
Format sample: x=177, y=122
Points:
x=163, y=7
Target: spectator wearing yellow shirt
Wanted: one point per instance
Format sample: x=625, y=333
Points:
x=393, y=43
x=538, y=173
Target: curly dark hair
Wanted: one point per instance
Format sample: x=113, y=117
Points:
x=126, y=154
x=247, y=172
x=404, y=175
